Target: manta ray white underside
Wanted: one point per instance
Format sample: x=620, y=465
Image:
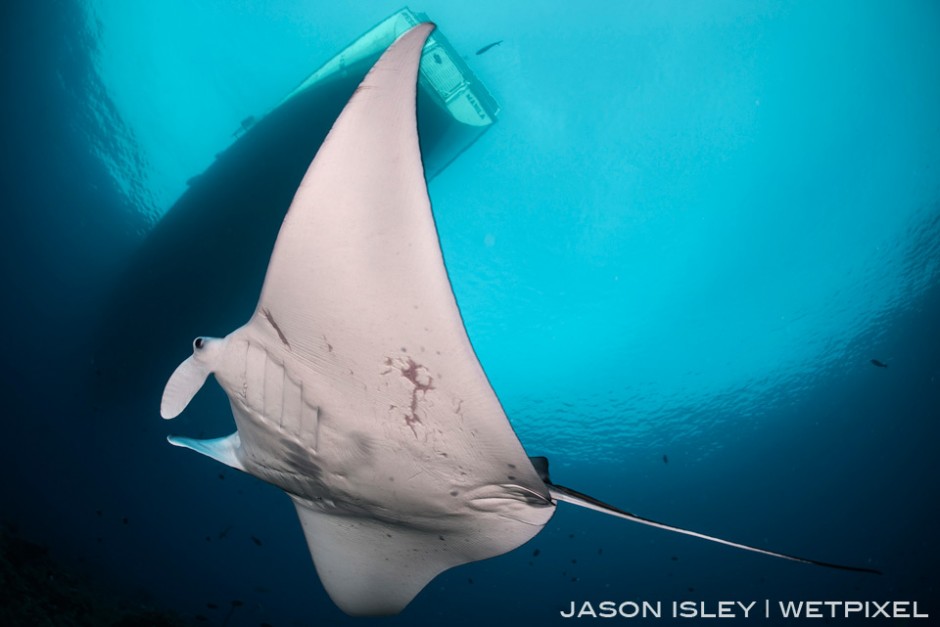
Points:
x=354, y=386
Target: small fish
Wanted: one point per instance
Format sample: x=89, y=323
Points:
x=224, y=532
x=256, y=540
x=536, y=552
x=488, y=46
x=212, y=606
x=665, y=459
x=878, y=364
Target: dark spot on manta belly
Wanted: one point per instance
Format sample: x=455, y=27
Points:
x=511, y=477
x=454, y=493
x=267, y=316
x=421, y=382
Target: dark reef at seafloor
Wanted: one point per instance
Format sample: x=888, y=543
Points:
x=37, y=591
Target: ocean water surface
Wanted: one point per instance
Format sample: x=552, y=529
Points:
x=676, y=253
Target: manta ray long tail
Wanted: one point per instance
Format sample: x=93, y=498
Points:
x=561, y=493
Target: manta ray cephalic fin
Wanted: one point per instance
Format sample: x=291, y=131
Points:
x=224, y=450
x=186, y=380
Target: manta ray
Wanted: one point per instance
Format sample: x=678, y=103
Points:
x=354, y=386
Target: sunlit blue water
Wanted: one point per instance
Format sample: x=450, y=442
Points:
x=691, y=230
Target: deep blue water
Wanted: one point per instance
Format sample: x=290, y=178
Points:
x=691, y=230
